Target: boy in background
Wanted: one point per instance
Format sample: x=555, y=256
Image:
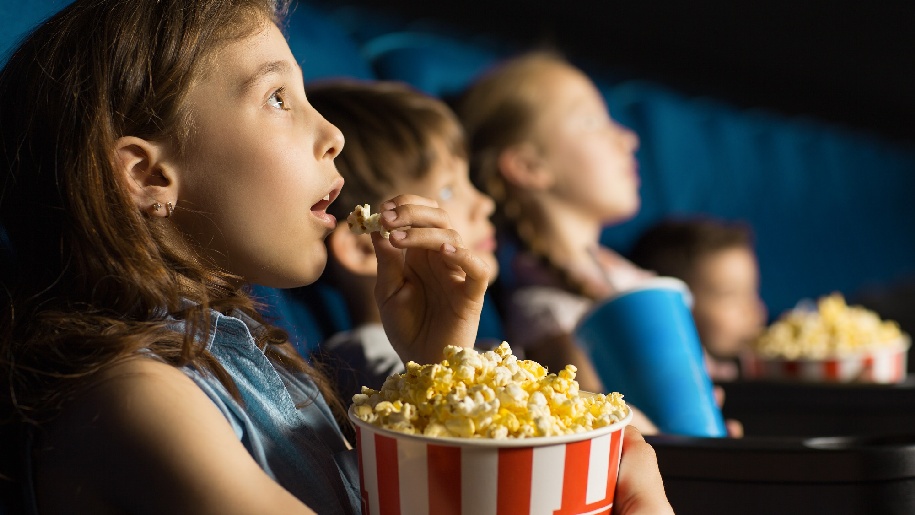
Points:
x=718, y=262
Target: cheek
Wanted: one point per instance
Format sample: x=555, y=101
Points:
x=461, y=220
x=717, y=316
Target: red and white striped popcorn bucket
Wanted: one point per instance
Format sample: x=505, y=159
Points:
x=882, y=365
x=556, y=475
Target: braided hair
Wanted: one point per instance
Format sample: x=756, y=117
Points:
x=498, y=112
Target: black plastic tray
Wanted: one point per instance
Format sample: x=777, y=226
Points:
x=770, y=408
x=788, y=475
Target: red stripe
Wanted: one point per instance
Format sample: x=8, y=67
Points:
x=754, y=367
x=388, y=479
x=363, y=491
x=791, y=368
x=867, y=373
x=831, y=369
x=616, y=442
x=515, y=475
x=444, y=479
x=616, y=448
x=575, y=477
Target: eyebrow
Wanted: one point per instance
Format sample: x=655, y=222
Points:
x=264, y=70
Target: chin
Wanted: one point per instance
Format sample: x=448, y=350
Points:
x=622, y=213
x=303, y=274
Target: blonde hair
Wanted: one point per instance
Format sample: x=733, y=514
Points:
x=501, y=110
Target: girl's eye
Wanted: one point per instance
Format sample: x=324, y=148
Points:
x=276, y=99
x=446, y=193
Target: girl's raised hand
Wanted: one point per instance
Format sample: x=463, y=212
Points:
x=429, y=288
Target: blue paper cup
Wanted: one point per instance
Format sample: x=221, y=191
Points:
x=643, y=343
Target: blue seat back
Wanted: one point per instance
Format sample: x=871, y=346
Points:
x=437, y=65
x=19, y=17
x=322, y=46
x=829, y=205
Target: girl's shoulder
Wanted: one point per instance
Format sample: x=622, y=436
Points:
x=153, y=437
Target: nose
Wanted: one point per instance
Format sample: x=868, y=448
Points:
x=629, y=138
x=330, y=141
x=486, y=205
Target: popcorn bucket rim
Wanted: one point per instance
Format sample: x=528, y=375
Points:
x=533, y=441
x=900, y=344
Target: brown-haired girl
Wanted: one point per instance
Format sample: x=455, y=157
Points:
x=157, y=155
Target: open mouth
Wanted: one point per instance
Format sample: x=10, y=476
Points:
x=319, y=209
x=322, y=204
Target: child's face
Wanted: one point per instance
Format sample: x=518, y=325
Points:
x=727, y=307
x=592, y=157
x=469, y=210
x=259, y=170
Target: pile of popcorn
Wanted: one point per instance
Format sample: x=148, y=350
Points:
x=834, y=329
x=491, y=394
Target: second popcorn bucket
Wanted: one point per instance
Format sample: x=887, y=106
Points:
x=486, y=434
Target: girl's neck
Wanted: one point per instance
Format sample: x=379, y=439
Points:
x=570, y=235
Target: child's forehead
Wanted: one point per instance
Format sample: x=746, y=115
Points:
x=246, y=61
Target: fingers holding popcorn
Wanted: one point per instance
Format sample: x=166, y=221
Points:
x=405, y=216
x=423, y=271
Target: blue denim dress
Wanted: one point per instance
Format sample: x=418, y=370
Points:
x=284, y=423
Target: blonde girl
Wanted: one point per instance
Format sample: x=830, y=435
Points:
x=544, y=146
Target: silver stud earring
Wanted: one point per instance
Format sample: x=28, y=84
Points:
x=156, y=206
x=169, y=208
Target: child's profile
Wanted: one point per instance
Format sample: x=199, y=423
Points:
x=544, y=146
x=717, y=260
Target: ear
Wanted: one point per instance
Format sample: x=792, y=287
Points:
x=523, y=166
x=151, y=183
x=354, y=252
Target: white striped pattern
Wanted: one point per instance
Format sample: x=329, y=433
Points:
x=478, y=474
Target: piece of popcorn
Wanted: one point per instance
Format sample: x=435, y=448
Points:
x=486, y=395
x=362, y=221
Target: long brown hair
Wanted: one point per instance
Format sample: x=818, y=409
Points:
x=90, y=279
x=499, y=111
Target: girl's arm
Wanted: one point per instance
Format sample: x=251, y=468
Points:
x=156, y=444
x=429, y=288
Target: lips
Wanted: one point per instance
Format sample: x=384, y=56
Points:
x=319, y=209
x=487, y=244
